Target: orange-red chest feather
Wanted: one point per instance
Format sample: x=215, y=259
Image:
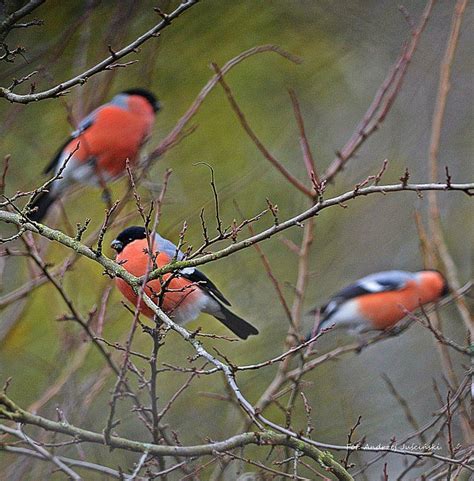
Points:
x=385, y=309
x=178, y=291
x=115, y=135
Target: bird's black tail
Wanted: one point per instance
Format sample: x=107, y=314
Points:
x=41, y=204
x=236, y=324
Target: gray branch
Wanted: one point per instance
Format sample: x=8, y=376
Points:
x=103, y=65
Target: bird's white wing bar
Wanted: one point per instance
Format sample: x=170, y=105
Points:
x=372, y=286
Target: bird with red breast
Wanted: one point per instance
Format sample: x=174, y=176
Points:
x=182, y=294
x=97, y=152
x=380, y=300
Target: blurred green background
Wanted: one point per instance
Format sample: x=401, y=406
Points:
x=347, y=49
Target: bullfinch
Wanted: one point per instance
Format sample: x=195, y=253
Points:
x=378, y=301
x=99, y=148
x=182, y=295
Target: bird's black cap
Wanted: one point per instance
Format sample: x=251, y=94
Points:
x=146, y=94
x=128, y=235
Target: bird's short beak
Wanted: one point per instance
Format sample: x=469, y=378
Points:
x=157, y=106
x=116, y=245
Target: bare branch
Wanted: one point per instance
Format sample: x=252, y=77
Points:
x=113, y=268
x=305, y=148
x=80, y=79
x=172, y=137
x=10, y=20
x=382, y=102
x=276, y=163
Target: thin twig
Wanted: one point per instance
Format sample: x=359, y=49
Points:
x=383, y=100
x=265, y=152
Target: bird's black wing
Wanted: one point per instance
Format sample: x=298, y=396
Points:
x=51, y=167
x=205, y=283
x=83, y=126
x=379, y=282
